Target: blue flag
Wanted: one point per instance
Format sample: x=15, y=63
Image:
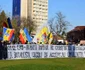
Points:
x=1, y=38
x=9, y=23
x=27, y=35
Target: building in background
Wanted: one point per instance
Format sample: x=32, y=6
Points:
x=16, y=11
x=77, y=34
x=36, y=9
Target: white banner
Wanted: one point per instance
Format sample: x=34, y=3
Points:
x=20, y=51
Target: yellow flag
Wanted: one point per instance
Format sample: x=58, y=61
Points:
x=42, y=35
x=50, y=38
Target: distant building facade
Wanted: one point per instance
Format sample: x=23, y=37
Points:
x=16, y=10
x=36, y=9
x=77, y=34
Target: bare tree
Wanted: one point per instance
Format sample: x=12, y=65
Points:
x=24, y=23
x=59, y=25
x=29, y=24
x=17, y=29
x=3, y=18
x=51, y=24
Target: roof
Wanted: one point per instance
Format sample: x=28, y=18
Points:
x=82, y=42
x=80, y=28
x=77, y=28
x=57, y=37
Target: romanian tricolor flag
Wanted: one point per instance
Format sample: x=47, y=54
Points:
x=7, y=34
x=22, y=37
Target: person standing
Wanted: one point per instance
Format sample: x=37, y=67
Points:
x=1, y=49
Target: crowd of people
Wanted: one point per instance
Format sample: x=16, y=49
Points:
x=3, y=49
x=3, y=46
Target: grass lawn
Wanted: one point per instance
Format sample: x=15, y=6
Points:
x=44, y=64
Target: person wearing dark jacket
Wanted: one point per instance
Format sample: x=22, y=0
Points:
x=5, y=49
x=1, y=49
